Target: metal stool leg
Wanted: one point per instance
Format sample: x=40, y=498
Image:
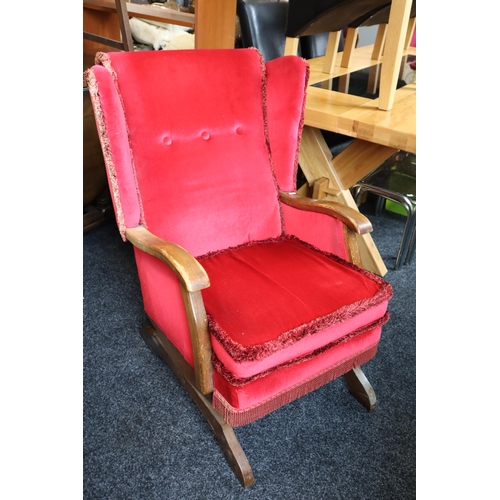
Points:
x=413, y=239
x=406, y=203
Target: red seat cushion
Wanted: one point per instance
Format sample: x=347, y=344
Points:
x=276, y=301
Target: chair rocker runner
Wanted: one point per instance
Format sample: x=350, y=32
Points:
x=254, y=293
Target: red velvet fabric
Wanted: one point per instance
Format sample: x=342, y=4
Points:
x=236, y=371
x=242, y=404
x=113, y=134
x=197, y=164
x=163, y=302
x=320, y=230
x=195, y=144
x=287, y=79
x=265, y=296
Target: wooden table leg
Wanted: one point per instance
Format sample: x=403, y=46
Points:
x=393, y=51
x=356, y=161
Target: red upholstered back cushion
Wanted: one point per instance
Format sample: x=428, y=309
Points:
x=197, y=129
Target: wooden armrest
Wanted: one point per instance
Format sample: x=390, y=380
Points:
x=193, y=278
x=350, y=217
x=185, y=266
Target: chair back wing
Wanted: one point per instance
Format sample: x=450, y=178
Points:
x=287, y=79
x=113, y=136
x=186, y=140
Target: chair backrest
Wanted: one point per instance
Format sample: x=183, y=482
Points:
x=380, y=16
x=199, y=165
x=263, y=25
x=308, y=17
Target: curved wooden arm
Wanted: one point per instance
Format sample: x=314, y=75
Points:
x=184, y=265
x=193, y=279
x=350, y=217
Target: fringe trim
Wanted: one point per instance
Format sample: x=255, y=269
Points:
x=239, y=382
x=236, y=417
x=241, y=353
x=263, y=70
x=301, y=125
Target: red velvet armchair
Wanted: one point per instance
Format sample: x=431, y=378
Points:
x=253, y=292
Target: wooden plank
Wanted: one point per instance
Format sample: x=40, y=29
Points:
x=349, y=46
x=291, y=46
x=378, y=46
x=315, y=158
x=332, y=48
x=215, y=24
x=409, y=32
x=359, y=159
x=324, y=107
x=100, y=22
x=396, y=128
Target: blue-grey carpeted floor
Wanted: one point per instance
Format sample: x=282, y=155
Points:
x=145, y=439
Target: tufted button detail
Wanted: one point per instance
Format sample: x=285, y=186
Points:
x=239, y=130
x=167, y=140
x=205, y=135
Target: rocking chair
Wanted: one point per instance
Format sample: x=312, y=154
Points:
x=254, y=293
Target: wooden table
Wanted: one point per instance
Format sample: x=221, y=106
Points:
x=378, y=134
x=381, y=127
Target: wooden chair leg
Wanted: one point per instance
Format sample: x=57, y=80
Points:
x=332, y=48
x=291, y=46
x=224, y=433
x=360, y=388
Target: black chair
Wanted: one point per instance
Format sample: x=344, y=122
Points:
x=263, y=25
x=309, y=17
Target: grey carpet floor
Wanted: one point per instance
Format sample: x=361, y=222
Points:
x=145, y=439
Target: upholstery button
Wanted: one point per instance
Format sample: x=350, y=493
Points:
x=239, y=130
x=205, y=135
x=167, y=140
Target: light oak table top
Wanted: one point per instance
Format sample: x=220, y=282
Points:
x=361, y=118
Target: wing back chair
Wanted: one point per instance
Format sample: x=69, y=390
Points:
x=253, y=292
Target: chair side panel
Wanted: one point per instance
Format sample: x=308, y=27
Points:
x=112, y=130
